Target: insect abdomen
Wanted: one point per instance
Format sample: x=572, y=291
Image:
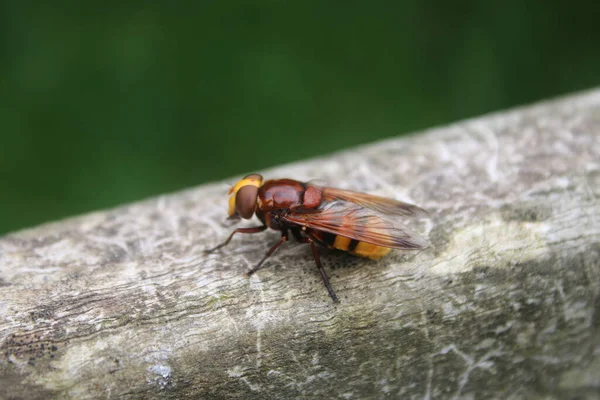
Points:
x=352, y=246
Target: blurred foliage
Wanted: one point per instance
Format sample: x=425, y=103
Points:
x=108, y=103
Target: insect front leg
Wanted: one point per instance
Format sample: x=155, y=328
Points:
x=320, y=267
x=255, y=229
x=284, y=238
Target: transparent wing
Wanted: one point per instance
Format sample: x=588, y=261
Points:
x=355, y=221
x=380, y=204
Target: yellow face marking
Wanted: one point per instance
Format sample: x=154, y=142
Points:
x=341, y=242
x=231, y=208
x=234, y=189
x=371, y=251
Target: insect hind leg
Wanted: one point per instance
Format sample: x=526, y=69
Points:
x=319, y=265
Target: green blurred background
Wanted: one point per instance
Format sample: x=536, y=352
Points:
x=104, y=104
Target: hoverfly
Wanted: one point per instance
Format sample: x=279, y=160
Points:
x=361, y=224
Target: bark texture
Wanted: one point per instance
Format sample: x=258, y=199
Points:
x=122, y=303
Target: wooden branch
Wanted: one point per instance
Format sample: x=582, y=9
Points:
x=123, y=304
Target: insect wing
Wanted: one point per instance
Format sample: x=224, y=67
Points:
x=382, y=205
x=360, y=223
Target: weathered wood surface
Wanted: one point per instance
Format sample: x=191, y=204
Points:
x=505, y=303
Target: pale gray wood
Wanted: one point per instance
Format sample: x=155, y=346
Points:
x=122, y=303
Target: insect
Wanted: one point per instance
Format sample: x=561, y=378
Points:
x=361, y=224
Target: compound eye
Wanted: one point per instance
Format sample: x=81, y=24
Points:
x=245, y=201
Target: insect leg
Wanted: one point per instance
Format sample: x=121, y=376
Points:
x=297, y=235
x=255, y=229
x=320, y=267
x=284, y=237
